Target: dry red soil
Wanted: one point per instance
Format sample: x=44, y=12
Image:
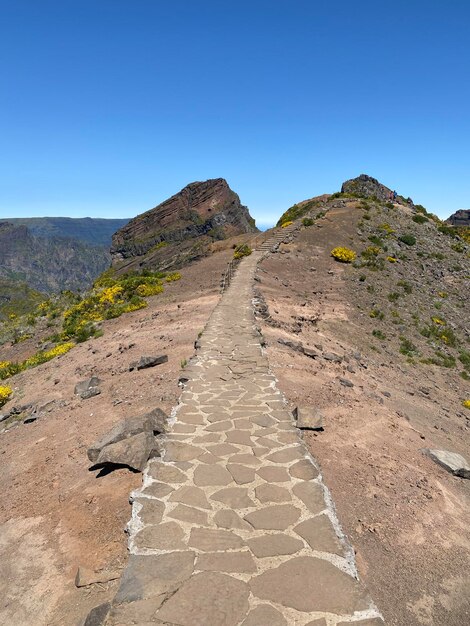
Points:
x=405, y=516
x=55, y=514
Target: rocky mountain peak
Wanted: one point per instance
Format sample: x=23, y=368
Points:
x=367, y=186
x=460, y=218
x=166, y=236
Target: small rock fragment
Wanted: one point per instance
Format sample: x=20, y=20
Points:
x=148, y=361
x=308, y=418
x=85, y=576
x=88, y=388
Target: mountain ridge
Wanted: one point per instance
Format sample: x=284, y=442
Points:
x=181, y=228
x=92, y=230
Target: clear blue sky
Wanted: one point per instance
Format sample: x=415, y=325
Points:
x=107, y=107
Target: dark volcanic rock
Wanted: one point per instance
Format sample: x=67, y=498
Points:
x=148, y=361
x=180, y=229
x=97, y=616
x=366, y=186
x=460, y=218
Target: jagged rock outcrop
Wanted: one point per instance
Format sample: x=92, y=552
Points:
x=366, y=186
x=181, y=228
x=460, y=218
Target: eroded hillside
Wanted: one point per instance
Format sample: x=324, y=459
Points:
x=181, y=229
x=381, y=347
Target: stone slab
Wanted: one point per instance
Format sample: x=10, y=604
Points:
x=208, y=599
x=150, y=576
x=309, y=584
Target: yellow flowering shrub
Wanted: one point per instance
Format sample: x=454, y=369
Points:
x=286, y=224
x=5, y=394
x=109, y=295
x=344, y=255
x=438, y=321
x=443, y=294
x=148, y=290
x=134, y=307
x=465, y=403
x=370, y=252
x=172, y=277
x=386, y=228
x=46, y=355
x=392, y=259
x=75, y=318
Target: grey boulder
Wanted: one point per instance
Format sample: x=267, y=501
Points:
x=153, y=422
x=88, y=388
x=451, y=461
x=132, y=452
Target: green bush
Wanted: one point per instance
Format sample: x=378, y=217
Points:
x=447, y=230
x=420, y=219
x=307, y=221
x=464, y=358
x=407, y=288
x=376, y=240
x=407, y=347
x=407, y=239
x=379, y=334
x=419, y=208
x=441, y=360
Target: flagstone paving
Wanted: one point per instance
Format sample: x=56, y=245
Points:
x=233, y=525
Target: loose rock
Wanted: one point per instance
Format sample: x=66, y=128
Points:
x=148, y=361
x=308, y=418
x=133, y=452
x=88, y=388
x=454, y=463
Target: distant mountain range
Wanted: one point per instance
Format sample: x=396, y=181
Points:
x=96, y=231
x=50, y=254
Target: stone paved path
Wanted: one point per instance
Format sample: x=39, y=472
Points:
x=233, y=526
